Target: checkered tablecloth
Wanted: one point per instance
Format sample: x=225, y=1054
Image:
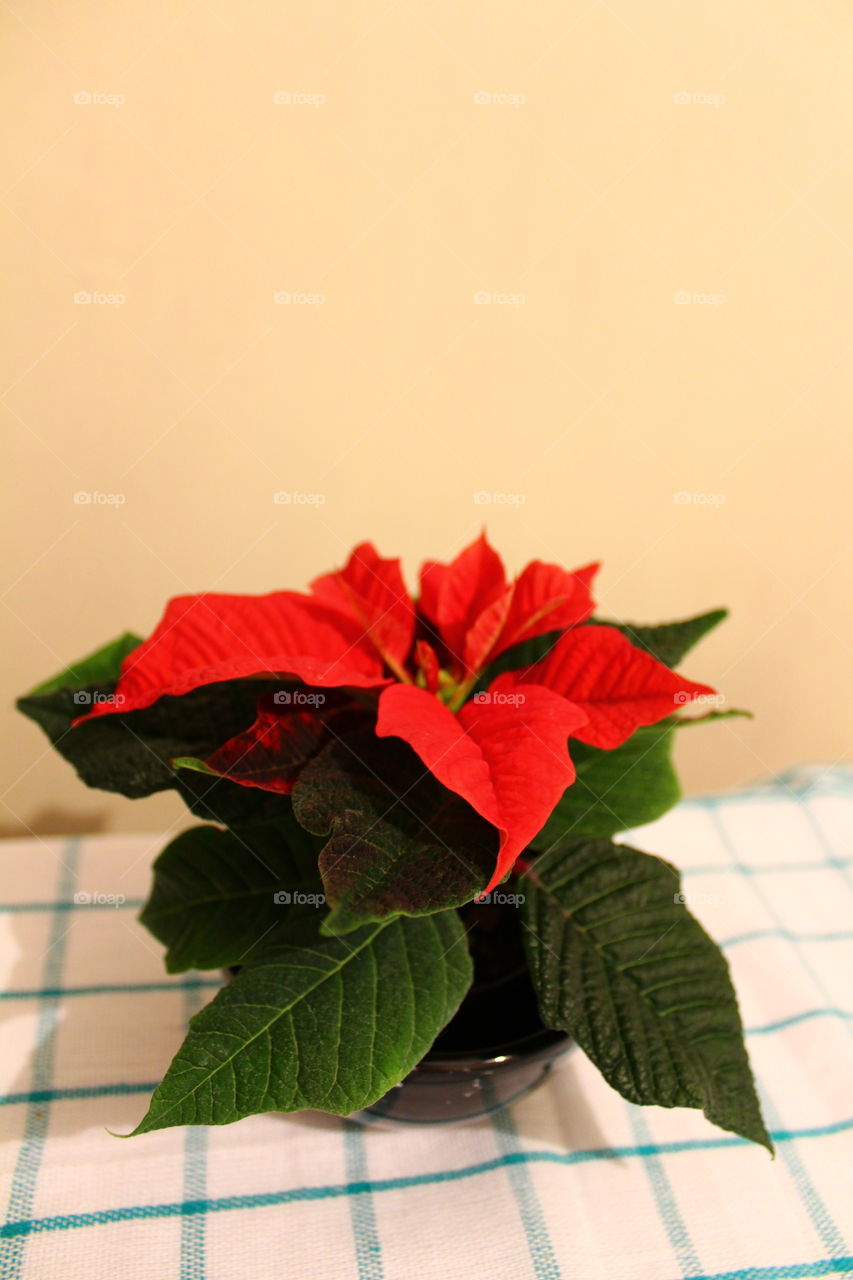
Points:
x=573, y=1182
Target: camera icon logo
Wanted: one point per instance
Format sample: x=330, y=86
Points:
x=283, y=898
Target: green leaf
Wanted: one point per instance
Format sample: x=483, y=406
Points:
x=132, y=753
x=216, y=894
x=102, y=667
x=615, y=790
x=670, y=641
x=197, y=766
x=399, y=842
x=731, y=713
x=619, y=962
x=332, y=1024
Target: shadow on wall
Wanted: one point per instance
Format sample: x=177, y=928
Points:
x=57, y=820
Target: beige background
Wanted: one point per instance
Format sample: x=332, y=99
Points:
x=626, y=153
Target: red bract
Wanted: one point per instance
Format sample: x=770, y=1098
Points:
x=506, y=754
x=270, y=754
x=477, y=614
x=618, y=686
x=371, y=592
x=208, y=638
x=503, y=750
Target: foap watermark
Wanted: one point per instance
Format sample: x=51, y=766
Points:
x=485, y=298
x=695, y=98
x=84, y=898
x=498, y=98
x=498, y=698
x=95, y=298
x=685, y=499
x=696, y=899
x=95, y=498
x=498, y=898
x=298, y=698
x=93, y=698
x=695, y=298
x=295, y=298
x=295, y=498
x=298, y=98
x=484, y=498
x=296, y=898
x=95, y=98
x=716, y=701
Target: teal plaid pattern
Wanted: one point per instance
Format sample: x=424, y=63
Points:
x=570, y=1182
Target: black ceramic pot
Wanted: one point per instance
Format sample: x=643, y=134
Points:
x=494, y=1050
x=465, y=1086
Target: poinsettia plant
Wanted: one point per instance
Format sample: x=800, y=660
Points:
x=368, y=764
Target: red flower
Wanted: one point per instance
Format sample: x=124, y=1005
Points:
x=505, y=750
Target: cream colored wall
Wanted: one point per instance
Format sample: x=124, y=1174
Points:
x=628, y=153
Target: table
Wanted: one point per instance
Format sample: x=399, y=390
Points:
x=572, y=1182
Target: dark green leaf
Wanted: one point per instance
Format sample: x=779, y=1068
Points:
x=670, y=641
x=399, y=842
x=220, y=800
x=615, y=790
x=216, y=894
x=619, y=962
x=331, y=1024
x=131, y=753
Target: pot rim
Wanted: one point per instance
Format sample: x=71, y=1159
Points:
x=545, y=1043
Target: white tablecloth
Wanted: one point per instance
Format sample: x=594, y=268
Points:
x=573, y=1182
